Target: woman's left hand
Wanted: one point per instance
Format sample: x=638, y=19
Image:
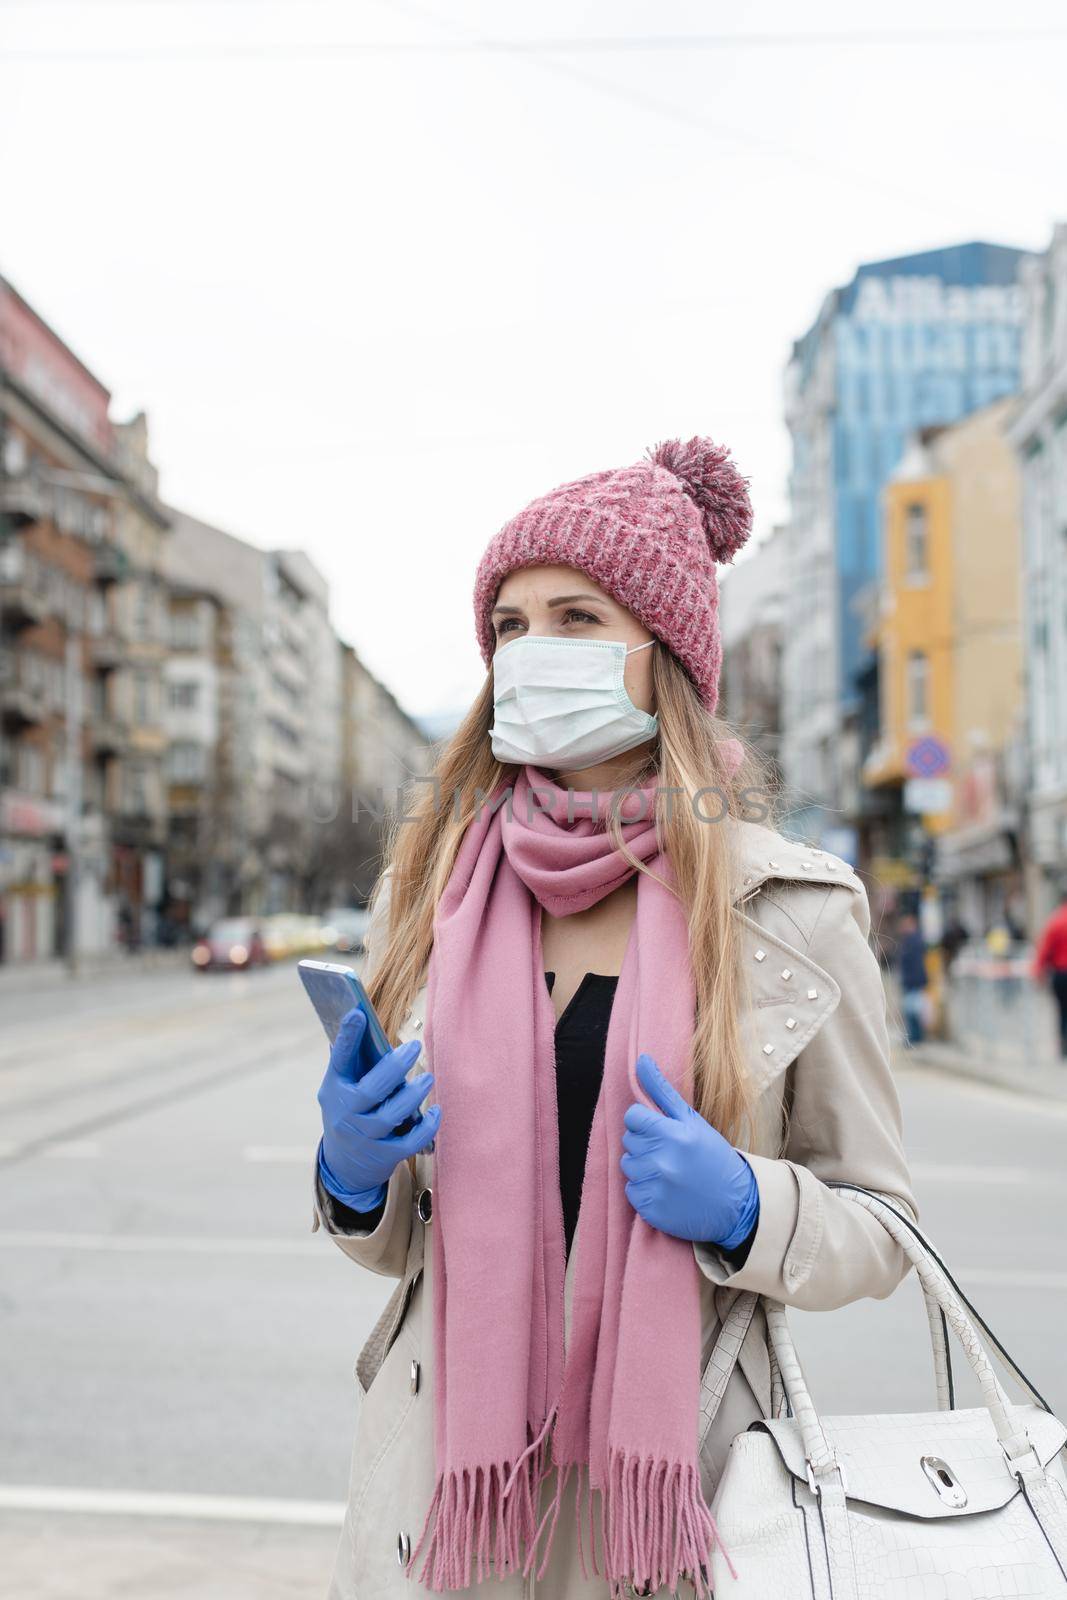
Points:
x=684, y=1177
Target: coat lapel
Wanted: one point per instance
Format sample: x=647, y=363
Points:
x=789, y=995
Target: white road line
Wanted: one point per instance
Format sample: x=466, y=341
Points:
x=73, y=1149
x=1019, y=1097
x=160, y=1244
x=59, y=1149
x=295, y=1153
x=1011, y=1278
x=201, y=1507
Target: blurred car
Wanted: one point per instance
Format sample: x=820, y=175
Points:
x=234, y=944
x=344, y=929
x=289, y=934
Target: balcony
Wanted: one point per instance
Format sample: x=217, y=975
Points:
x=21, y=706
x=23, y=601
x=108, y=652
x=22, y=501
x=110, y=565
x=23, y=695
x=109, y=736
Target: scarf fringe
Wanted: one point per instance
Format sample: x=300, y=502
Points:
x=655, y=1526
x=485, y=1512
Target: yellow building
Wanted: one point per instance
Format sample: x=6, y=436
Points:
x=948, y=637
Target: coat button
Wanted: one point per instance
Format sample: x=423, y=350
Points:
x=414, y=1377
x=403, y=1548
x=424, y=1204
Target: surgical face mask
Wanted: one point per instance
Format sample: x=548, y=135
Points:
x=562, y=703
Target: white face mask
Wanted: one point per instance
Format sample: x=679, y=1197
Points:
x=562, y=703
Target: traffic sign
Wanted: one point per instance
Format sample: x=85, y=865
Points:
x=928, y=796
x=928, y=757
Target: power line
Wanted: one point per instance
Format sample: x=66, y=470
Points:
x=790, y=153
x=544, y=55
x=531, y=47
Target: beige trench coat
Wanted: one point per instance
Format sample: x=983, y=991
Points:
x=817, y=1039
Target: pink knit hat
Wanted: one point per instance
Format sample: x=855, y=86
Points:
x=649, y=534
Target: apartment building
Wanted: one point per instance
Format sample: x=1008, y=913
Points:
x=1039, y=435
x=81, y=617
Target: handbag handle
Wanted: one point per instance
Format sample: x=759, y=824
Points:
x=935, y=1284
x=936, y=1317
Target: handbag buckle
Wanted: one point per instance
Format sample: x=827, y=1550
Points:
x=1025, y=1461
x=814, y=1483
x=944, y=1481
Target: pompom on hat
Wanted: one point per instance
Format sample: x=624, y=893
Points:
x=650, y=535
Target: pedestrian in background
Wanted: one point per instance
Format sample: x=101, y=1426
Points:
x=1050, y=962
x=911, y=969
x=655, y=1031
x=953, y=940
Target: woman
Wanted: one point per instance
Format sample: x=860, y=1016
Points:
x=653, y=1032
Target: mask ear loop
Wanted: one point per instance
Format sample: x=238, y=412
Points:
x=634, y=652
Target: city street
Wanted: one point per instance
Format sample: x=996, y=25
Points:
x=178, y=1346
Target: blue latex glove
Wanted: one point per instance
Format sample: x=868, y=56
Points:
x=685, y=1178
x=359, y=1150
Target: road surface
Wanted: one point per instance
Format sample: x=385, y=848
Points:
x=178, y=1346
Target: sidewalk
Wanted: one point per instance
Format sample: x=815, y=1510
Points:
x=88, y=1558
x=1040, y=1078
x=27, y=977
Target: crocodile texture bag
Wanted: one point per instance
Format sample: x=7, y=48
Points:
x=942, y=1505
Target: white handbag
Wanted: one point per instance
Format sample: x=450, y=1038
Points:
x=941, y=1505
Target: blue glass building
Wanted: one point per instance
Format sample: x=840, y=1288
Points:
x=911, y=341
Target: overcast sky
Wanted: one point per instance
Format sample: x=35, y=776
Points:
x=379, y=281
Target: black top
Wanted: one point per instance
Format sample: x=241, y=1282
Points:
x=581, y=1038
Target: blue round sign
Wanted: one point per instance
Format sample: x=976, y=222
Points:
x=927, y=757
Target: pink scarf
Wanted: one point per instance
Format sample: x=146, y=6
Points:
x=624, y=1395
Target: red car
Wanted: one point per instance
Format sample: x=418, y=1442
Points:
x=234, y=945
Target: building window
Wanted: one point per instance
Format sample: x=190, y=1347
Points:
x=135, y=789
x=918, y=689
x=144, y=699
x=30, y=769
x=184, y=696
x=186, y=762
x=188, y=628
x=142, y=612
x=916, y=545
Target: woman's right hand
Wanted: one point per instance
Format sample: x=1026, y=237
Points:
x=359, y=1147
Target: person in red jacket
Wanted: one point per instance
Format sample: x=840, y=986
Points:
x=1051, y=957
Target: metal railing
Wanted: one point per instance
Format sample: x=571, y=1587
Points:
x=993, y=1007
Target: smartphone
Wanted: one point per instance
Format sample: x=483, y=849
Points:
x=334, y=991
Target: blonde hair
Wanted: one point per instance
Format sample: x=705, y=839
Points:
x=687, y=763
